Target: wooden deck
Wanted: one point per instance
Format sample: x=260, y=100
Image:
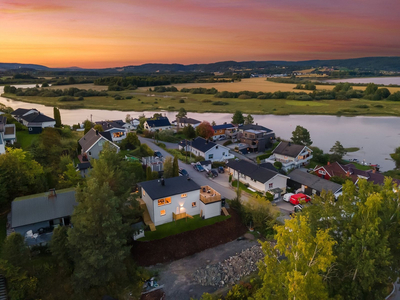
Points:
x=209, y=195
x=146, y=216
x=184, y=215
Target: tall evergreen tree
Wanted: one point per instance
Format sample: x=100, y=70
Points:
x=238, y=118
x=301, y=136
x=57, y=117
x=60, y=249
x=175, y=167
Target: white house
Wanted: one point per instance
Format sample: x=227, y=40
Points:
x=261, y=178
x=183, y=122
x=116, y=128
x=174, y=198
x=33, y=119
x=162, y=123
x=291, y=156
x=92, y=144
x=207, y=149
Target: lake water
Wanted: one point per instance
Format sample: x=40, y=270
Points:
x=376, y=137
x=376, y=80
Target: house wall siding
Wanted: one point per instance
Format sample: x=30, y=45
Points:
x=259, y=186
x=178, y=205
x=277, y=182
x=218, y=153
x=149, y=203
x=211, y=210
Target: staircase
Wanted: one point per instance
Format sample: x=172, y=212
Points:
x=3, y=290
x=146, y=216
x=225, y=211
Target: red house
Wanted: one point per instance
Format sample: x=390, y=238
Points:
x=330, y=170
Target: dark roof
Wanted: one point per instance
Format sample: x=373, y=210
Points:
x=186, y=121
x=313, y=181
x=107, y=135
x=223, y=126
x=39, y=208
x=269, y=166
x=202, y=145
x=252, y=170
x=107, y=125
x=21, y=111
x=89, y=139
x=37, y=118
x=288, y=149
x=254, y=127
x=84, y=166
x=333, y=169
x=160, y=122
x=172, y=186
x=370, y=175
x=206, y=162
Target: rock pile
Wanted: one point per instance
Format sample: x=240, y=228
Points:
x=231, y=270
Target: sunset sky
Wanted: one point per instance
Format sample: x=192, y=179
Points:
x=102, y=33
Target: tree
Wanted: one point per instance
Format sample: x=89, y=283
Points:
x=57, y=116
x=71, y=80
x=128, y=118
x=248, y=120
x=87, y=125
x=396, y=157
x=98, y=238
x=238, y=118
x=168, y=167
x=297, y=275
x=371, y=89
x=130, y=142
x=213, y=123
x=59, y=248
x=338, y=151
x=189, y=132
x=278, y=165
x=70, y=177
x=98, y=128
x=301, y=136
x=15, y=250
x=182, y=113
x=149, y=175
x=175, y=167
x=205, y=130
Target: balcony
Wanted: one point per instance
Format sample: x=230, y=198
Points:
x=209, y=195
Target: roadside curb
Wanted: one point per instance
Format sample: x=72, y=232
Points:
x=393, y=290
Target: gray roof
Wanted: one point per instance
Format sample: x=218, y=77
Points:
x=37, y=118
x=21, y=111
x=258, y=173
x=89, y=139
x=288, y=149
x=172, y=186
x=313, y=181
x=39, y=208
x=202, y=145
x=254, y=127
x=160, y=122
x=187, y=121
x=107, y=125
x=205, y=162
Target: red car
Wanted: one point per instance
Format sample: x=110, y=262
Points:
x=295, y=199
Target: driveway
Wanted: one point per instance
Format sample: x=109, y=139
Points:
x=177, y=276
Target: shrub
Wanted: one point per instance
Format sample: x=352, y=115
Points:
x=128, y=97
x=220, y=103
x=378, y=106
x=227, y=143
x=67, y=98
x=206, y=100
x=362, y=106
x=181, y=101
x=278, y=165
x=148, y=134
x=264, y=156
x=80, y=98
x=118, y=97
x=244, y=96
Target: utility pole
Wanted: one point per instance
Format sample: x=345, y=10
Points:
x=238, y=186
x=91, y=118
x=186, y=148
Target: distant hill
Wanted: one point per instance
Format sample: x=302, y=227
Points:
x=374, y=64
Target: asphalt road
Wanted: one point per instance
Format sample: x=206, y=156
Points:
x=220, y=183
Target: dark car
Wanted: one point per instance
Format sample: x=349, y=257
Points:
x=158, y=154
x=183, y=172
x=221, y=170
x=214, y=173
x=199, y=168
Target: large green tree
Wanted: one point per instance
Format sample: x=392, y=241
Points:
x=238, y=118
x=57, y=116
x=98, y=238
x=60, y=248
x=130, y=142
x=248, y=119
x=294, y=267
x=15, y=250
x=168, y=167
x=396, y=157
x=301, y=136
x=338, y=151
x=189, y=132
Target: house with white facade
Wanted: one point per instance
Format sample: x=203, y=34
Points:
x=207, y=149
x=33, y=119
x=161, y=123
x=261, y=178
x=291, y=156
x=134, y=123
x=179, y=197
x=116, y=128
x=7, y=134
x=183, y=122
x=92, y=144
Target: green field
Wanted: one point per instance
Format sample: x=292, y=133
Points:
x=25, y=139
x=180, y=226
x=352, y=149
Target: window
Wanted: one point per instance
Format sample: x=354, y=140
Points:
x=223, y=153
x=144, y=192
x=183, y=195
x=194, y=204
x=164, y=201
x=210, y=156
x=90, y=153
x=118, y=134
x=271, y=185
x=163, y=212
x=321, y=172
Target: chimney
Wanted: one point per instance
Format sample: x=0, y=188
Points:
x=348, y=173
x=52, y=194
x=329, y=163
x=374, y=170
x=162, y=181
x=289, y=144
x=97, y=132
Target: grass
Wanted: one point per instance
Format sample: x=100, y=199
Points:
x=25, y=139
x=180, y=226
x=145, y=101
x=393, y=174
x=351, y=149
x=244, y=188
x=359, y=166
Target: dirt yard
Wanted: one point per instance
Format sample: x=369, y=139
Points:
x=188, y=243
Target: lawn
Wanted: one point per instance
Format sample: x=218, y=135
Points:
x=25, y=139
x=359, y=166
x=245, y=189
x=180, y=226
x=142, y=100
x=352, y=149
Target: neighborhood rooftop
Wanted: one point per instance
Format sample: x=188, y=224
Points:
x=160, y=122
x=186, y=121
x=91, y=137
x=37, y=118
x=254, y=127
x=172, y=186
x=201, y=144
x=254, y=171
x=288, y=149
x=21, y=111
x=314, y=182
x=223, y=126
x=40, y=207
x=111, y=124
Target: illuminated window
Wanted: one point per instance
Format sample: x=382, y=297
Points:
x=183, y=195
x=144, y=192
x=162, y=212
x=164, y=201
x=194, y=204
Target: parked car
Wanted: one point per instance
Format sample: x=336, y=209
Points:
x=221, y=169
x=221, y=138
x=183, y=172
x=212, y=173
x=298, y=208
x=287, y=196
x=158, y=154
x=295, y=199
x=199, y=168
